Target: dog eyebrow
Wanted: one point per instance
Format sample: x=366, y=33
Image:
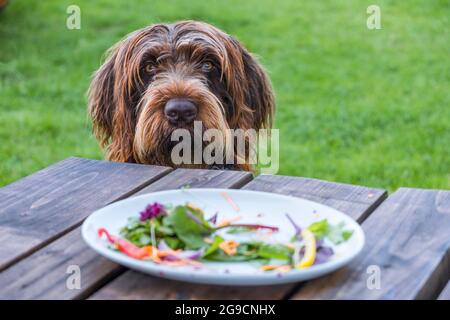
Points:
x=197, y=49
x=163, y=56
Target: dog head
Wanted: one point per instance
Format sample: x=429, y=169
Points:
x=164, y=77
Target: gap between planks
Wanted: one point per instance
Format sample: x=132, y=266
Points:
x=43, y=243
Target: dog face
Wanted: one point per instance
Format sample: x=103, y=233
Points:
x=164, y=77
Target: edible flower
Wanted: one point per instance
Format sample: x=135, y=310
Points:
x=152, y=210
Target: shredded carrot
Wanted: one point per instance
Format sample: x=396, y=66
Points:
x=226, y=222
x=229, y=247
x=230, y=201
x=282, y=268
x=268, y=267
x=155, y=255
x=165, y=253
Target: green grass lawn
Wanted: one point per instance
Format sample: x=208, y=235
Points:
x=361, y=106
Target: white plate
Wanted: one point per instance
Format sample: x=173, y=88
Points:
x=254, y=207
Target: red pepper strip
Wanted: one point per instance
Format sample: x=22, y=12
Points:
x=125, y=246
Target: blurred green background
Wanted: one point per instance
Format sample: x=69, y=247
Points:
x=361, y=106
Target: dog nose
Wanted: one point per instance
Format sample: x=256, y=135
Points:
x=180, y=110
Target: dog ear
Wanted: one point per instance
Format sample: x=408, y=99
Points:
x=109, y=104
x=252, y=89
x=259, y=94
x=101, y=103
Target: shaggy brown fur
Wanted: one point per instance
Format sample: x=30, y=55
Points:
x=187, y=59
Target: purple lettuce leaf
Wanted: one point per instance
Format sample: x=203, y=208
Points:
x=298, y=229
x=323, y=254
x=186, y=254
x=213, y=219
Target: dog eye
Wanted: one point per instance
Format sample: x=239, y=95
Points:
x=207, y=66
x=149, y=68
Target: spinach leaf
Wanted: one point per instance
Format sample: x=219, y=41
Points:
x=274, y=251
x=213, y=246
x=187, y=229
x=247, y=251
x=320, y=228
x=173, y=243
x=144, y=240
x=221, y=256
x=163, y=231
x=133, y=222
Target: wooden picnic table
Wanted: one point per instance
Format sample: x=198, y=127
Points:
x=407, y=236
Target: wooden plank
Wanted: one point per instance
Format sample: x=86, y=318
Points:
x=445, y=294
x=39, y=208
x=407, y=244
x=134, y=285
x=200, y=178
x=43, y=275
x=356, y=201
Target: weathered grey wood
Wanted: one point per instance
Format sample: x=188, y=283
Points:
x=199, y=178
x=134, y=285
x=45, y=205
x=407, y=240
x=45, y=273
x=354, y=200
x=42, y=275
x=445, y=294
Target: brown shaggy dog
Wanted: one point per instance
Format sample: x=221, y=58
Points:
x=164, y=77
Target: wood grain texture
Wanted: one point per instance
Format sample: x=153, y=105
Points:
x=445, y=294
x=134, y=285
x=407, y=238
x=200, y=178
x=39, y=208
x=43, y=275
x=355, y=201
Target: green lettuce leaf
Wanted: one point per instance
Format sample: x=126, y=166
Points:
x=213, y=246
x=275, y=251
x=186, y=228
x=245, y=252
x=335, y=233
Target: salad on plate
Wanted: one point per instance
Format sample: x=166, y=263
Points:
x=182, y=235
